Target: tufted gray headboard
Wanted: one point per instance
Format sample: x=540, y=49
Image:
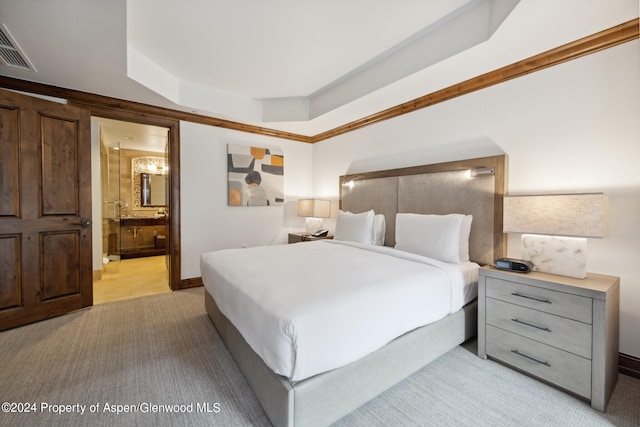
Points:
x=440, y=188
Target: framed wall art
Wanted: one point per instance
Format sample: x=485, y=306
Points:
x=256, y=175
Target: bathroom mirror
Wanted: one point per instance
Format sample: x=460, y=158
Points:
x=154, y=190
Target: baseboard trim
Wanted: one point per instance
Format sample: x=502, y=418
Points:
x=629, y=365
x=194, y=282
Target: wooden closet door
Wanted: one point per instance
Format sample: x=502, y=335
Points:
x=45, y=209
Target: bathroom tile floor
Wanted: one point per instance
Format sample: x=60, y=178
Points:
x=131, y=278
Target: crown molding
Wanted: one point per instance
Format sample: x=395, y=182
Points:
x=100, y=103
x=602, y=40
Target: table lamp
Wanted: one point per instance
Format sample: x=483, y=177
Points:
x=556, y=228
x=314, y=210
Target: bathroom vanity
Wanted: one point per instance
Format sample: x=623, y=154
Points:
x=134, y=237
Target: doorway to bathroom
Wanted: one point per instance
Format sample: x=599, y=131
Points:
x=134, y=204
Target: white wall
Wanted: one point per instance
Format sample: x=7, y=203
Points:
x=207, y=223
x=570, y=128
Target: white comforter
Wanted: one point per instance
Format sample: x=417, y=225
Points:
x=311, y=307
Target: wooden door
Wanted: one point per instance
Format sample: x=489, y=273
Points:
x=45, y=209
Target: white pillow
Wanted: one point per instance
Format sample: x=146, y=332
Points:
x=442, y=237
x=465, y=231
x=379, y=229
x=355, y=227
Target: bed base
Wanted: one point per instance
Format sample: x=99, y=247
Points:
x=325, y=398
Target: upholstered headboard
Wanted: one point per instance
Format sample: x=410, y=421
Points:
x=471, y=187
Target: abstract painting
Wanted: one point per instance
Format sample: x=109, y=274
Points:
x=256, y=175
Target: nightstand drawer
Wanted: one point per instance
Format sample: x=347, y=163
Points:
x=559, y=303
x=559, y=332
x=564, y=369
x=569, y=308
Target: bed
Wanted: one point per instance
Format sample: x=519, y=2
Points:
x=289, y=314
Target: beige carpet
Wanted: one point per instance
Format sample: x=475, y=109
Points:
x=138, y=361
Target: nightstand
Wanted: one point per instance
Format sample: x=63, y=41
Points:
x=559, y=329
x=306, y=237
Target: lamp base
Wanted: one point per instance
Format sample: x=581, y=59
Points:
x=313, y=224
x=565, y=256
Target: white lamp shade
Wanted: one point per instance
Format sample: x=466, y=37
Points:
x=314, y=208
x=574, y=215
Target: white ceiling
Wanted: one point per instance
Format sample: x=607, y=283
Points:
x=237, y=59
x=277, y=48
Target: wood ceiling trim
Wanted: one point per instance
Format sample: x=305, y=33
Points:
x=603, y=40
x=114, y=103
x=90, y=100
x=611, y=37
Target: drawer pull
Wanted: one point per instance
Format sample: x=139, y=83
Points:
x=535, y=359
x=522, y=322
x=516, y=294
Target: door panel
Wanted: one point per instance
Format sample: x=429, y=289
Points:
x=9, y=155
x=59, y=147
x=45, y=260
x=10, y=286
x=60, y=259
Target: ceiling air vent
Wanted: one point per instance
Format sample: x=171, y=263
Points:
x=10, y=51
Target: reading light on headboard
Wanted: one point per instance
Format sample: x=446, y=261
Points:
x=314, y=210
x=572, y=216
x=481, y=172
